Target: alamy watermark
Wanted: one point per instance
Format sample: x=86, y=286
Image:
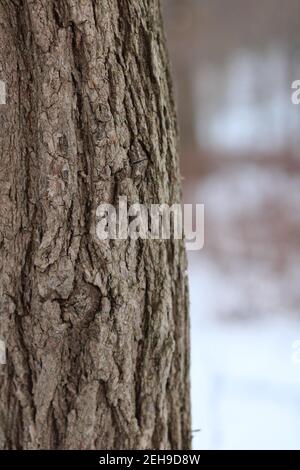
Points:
x=2, y=352
x=154, y=222
x=2, y=92
x=139, y=221
x=296, y=94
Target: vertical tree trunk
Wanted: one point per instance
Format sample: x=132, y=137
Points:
x=96, y=331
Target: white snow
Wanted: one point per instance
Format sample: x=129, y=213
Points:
x=244, y=290
x=245, y=385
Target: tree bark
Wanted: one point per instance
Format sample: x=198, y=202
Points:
x=96, y=332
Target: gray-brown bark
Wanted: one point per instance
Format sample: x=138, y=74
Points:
x=96, y=331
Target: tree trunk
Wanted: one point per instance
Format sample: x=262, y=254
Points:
x=96, y=332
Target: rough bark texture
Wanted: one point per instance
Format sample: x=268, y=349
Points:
x=96, y=332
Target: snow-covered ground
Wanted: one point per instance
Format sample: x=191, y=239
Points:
x=245, y=375
x=245, y=314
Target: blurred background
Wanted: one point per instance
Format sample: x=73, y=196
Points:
x=233, y=64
